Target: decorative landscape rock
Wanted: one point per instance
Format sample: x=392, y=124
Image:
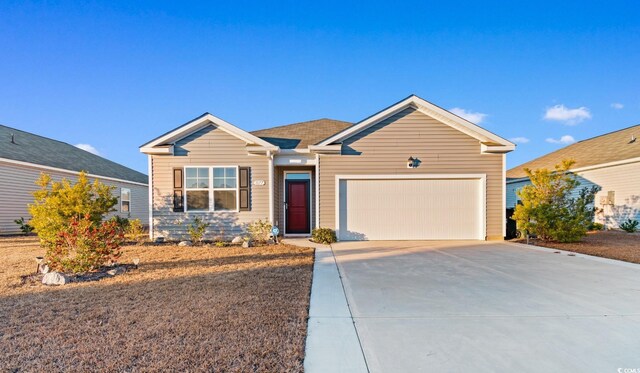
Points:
x=54, y=278
x=117, y=271
x=44, y=269
x=247, y=244
x=185, y=243
x=237, y=240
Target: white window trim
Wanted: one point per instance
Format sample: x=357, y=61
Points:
x=211, y=189
x=284, y=199
x=129, y=200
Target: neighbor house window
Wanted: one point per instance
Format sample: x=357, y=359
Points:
x=125, y=200
x=211, y=188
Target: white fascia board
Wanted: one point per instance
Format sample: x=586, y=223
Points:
x=496, y=149
x=426, y=108
x=262, y=149
x=294, y=160
x=326, y=149
x=202, y=122
x=157, y=150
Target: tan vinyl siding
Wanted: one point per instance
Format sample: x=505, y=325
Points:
x=385, y=147
x=17, y=182
x=279, y=194
x=210, y=146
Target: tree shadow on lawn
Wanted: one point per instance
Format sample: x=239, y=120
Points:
x=245, y=318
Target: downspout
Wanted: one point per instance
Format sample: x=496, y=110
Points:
x=317, y=187
x=271, y=209
x=150, y=193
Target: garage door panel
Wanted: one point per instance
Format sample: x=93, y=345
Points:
x=410, y=209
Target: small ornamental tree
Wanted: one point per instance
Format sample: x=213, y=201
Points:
x=57, y=203
x=68, y=218
x=84, y=246
x=548, y=209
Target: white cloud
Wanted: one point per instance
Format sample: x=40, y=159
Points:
x=566, y=139
x=617, y=105
x=471, y=116
x=571, y=117
x=519, y=140
x=88, y=148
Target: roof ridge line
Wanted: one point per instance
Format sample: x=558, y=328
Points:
x=304, y=122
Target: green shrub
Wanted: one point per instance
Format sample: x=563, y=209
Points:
x=323, y=235
x=629, y=226
x=24, y=227
x=84, y=246
x=260, y=230
x=548, y=209
x=596, y=226
x=135, y=231
x=57, y=203
x=121, y=223
x=196, y=230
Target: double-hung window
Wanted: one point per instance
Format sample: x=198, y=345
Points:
x=125, y=200
x=211, y=188
x=225, y=188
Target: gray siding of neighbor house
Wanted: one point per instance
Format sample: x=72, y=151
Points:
x=279, y=213
x=622, y=179
x=385, y=147
x=210, y=146
x=17, y=183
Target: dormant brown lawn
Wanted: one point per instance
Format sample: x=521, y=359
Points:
x=185, y=309
x=607, y=244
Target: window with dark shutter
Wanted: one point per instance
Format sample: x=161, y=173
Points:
x=178, y=205
x=245, y=188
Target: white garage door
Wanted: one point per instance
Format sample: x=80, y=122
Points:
x=410, y=209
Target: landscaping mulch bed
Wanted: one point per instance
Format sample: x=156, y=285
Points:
x=183, y=309
x=607, y=244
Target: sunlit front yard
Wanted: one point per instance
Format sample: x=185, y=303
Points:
x=184, y=309
x=608, y=244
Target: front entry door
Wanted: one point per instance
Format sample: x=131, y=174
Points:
x=297, y=206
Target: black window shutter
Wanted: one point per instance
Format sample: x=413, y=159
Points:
x=178, y=199
x=245, y=188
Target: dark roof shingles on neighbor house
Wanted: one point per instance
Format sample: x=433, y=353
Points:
x=43, y=151
x=610, y=147
x=300, y=135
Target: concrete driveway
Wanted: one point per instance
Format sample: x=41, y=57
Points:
x=475, y=306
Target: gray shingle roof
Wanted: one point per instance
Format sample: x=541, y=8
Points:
x=40, y=150
x=610, y=147
x=300, y=135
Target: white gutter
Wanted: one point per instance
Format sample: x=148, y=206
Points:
x=34, y=165
x=587, y=168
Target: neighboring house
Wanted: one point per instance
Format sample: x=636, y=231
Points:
x=610, y=161
x=410, y=171
x=24, y=156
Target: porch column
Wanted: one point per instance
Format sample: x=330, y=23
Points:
x=150, y=195
x=271, y=209
x=317, y=188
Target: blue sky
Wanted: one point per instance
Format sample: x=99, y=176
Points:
x=117, y=74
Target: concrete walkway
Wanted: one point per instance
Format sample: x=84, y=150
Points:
x=471, y=306
x=332, y=342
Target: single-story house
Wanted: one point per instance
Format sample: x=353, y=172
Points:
x=410, y=171
x=24, y=156
x=610, y=161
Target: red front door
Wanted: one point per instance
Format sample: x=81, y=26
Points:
x=297, y=206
